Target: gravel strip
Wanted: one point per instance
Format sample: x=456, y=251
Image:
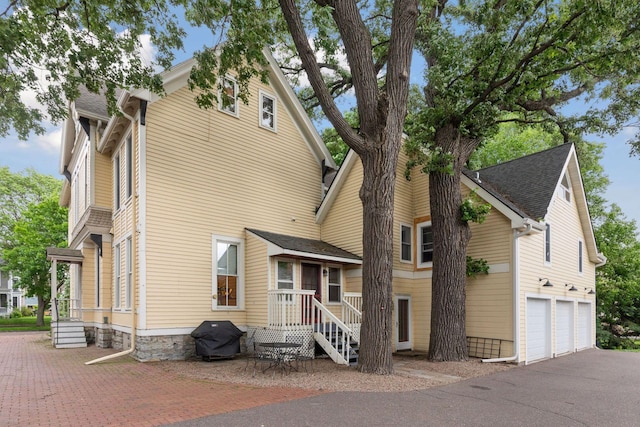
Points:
x=411, y=373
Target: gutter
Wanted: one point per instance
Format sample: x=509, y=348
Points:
x=529, y=227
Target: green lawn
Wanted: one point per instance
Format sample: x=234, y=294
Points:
x=24, y=324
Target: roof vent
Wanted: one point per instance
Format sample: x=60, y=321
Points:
x=478, y=177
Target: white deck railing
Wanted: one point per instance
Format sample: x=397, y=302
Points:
x=352, y=314
x=290, y=309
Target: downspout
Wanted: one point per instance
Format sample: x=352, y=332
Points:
x=516, y=297
x=132, y=347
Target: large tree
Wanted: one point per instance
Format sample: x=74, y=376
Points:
x=41, y=225
x=17, y=192
x=77, y=43
x=528, y=58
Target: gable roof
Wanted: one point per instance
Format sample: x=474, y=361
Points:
x=177, y=77
x=527, y=184
x=305, y=248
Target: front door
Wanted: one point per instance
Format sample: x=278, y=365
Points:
x=311, y=279
x=311, y=282
x=403, y=323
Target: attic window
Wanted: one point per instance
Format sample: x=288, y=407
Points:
x=267, y=111
x=565, y=188
x=229, y=96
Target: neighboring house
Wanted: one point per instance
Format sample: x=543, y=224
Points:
x=179, y=215
x=538, y=228
x=10, y=297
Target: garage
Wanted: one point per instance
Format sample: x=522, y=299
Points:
x=538, y=329
x=564, y=327
x=585, y=323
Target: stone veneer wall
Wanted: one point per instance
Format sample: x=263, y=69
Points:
x=149, y=348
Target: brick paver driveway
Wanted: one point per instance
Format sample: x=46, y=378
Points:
x=41, y=386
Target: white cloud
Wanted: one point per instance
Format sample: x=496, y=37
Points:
x=50, y=142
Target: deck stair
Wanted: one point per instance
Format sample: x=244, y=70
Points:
x=68, y=334
x=334, y=337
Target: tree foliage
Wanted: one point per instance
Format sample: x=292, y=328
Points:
x=17, y=192
x=51, y=48
x=527, y=58
x=41, y=225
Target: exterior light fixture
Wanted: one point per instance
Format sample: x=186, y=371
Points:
x=547, y=282
x=572, y=288
x=591, y=291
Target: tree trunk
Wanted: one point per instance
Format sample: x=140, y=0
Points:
x=40, y=311
x=377, y=195
x=451, y=235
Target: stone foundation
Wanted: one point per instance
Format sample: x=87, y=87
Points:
x=101, y=337
x=165, y=347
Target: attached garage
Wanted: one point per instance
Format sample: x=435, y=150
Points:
x=538, y=329
x=564, y=327
x=585, y=323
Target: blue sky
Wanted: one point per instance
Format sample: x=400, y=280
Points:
x=42, y=152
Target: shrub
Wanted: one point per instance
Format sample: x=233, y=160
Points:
x=26, y=312
x=16, y=313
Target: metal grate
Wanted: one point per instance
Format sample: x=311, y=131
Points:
x=484, y=347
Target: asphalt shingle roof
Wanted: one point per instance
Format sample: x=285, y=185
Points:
x=299, y=244
x=526, y=185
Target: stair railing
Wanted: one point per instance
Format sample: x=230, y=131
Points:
x=352, y=317
x=332, y=334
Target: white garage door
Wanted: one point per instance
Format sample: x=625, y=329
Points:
x=584, y=325
x=538, y=329
x=564, y=327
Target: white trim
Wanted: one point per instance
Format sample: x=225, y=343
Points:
x=336, y=185
x=142, y=225
x=261, y=95
x=221, y=108
x=410, y=260
x=293, y=273
x=409, y=344
x=419, y=243
x=117, y=276
x=215, y=238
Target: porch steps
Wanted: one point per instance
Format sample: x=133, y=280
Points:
x=68, y=334
x=337, y=350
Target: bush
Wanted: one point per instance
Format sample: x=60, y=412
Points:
x=15, y=314
x=26, y=312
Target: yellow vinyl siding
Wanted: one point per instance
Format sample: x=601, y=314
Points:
x=402, y=214
x=209, y=173
x=256, y=280
x=343, y=225
x=103, y=181
x=419, y=290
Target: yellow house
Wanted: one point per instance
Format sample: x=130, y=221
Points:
x=538, y=299
x=179, y=215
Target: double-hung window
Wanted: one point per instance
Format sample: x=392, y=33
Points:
x=425, y=245
x=267, y=111
x=406, y=232
x=117, y=276
x=128, y=296
x=285, y=277
x=335, y=284
x=228, y=99
x=565, y=188
x=116, y=181
x=129, y=166
x=228, y=277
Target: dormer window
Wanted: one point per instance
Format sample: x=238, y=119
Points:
x=565, y=188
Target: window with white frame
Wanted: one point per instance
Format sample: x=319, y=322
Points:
x=129, y=165
x=228, y=280
x=228, y=99
x=117, y=276
x=97, y=273
x=547, y=244
x=425, y=245
x=267, y=111
x=335, y=284
x=285, y=275
x=565, y=188
x=580, y=256
x=116, y=181
x=406, y=235
x=128, y=296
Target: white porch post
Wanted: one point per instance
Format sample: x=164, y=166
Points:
x=54, y=289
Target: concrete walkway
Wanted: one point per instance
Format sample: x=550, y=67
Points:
x=41, y=386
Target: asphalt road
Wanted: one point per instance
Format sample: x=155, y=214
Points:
x=590, y=388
